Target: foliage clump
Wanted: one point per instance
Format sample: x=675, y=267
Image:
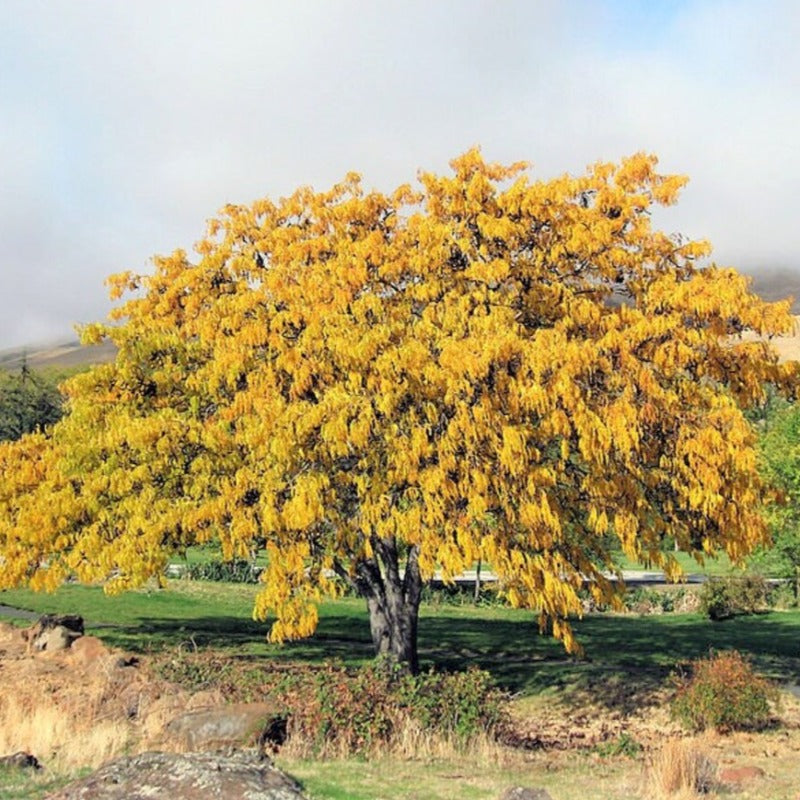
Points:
x=779, y=447
x=735, y=595
x=723, y=692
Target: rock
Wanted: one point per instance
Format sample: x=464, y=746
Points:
x=524, y=793
x=53, y=632
x=190, y=776
x=53, y=639
x=20, y=760
x=221, y=726
x=737, y=775
x=89, y=650
x=206, y=698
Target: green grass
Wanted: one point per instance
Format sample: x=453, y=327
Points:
x=501, y=640
x=26, y=784
x=480, y=778
x=712, y=566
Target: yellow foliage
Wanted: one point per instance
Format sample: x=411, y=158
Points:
x=490, y=367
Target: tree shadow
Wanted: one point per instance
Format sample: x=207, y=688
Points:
x=627, y=658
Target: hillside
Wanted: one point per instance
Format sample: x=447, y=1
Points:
x=61, y=355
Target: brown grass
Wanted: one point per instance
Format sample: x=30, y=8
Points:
x=70, y=709
x=409, y=741
x=63, y=738
x=679, y=771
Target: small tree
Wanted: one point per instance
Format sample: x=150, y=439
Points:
x=29, y=402
x=382, y=386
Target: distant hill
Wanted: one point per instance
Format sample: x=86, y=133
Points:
x=62, y=355
x=778, y=284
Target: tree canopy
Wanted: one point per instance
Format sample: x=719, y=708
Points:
x=780, y=452
x=378, y=386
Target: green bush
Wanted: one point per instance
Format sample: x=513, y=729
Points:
x=352, y=712
x=723, y=598
x=462, y=595
x=644, y=600
x=238, y=570
x=333, y=710
x=723, y=692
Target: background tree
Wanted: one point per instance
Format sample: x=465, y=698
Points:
x=380, y=386
x=29, y=401
x=780, y=449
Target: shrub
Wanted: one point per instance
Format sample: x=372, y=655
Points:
x=238, y=570
x=722, y=598
x=356, y=712
x=723, y=692
x=643, y=600
x=624, y=745
x=337, y=711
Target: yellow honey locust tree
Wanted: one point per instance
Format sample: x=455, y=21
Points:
x=375, y=387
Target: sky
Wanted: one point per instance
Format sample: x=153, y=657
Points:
x=125, y=126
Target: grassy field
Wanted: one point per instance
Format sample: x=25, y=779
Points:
x=18, y=784
x=504, y=641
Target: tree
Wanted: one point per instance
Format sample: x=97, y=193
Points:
x=780, y=451
x=29, y=401
x=382, y=386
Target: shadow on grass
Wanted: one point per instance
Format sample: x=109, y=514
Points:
x=634, y=653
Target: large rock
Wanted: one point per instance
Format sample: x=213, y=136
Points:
x=53, y=632
x=190, y=776
x=245, y=724
x=736, y=775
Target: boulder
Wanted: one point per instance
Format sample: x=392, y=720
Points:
x=53, y=632
x=89, y=650
x=54, y=639
x=20, y=760
x=188, y=776
x=221, y=726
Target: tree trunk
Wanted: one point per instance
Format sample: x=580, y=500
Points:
x=393, y=600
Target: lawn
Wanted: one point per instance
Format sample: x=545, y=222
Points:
x=504, y=641
x=721, y=565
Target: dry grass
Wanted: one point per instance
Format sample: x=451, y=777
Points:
x=64, y=738
x=69, y=709
x=409, y=741
x=679, y=771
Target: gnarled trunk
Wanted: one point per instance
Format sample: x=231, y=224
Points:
x=393, y=599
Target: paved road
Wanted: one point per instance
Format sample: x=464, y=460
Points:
x=632, y=577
